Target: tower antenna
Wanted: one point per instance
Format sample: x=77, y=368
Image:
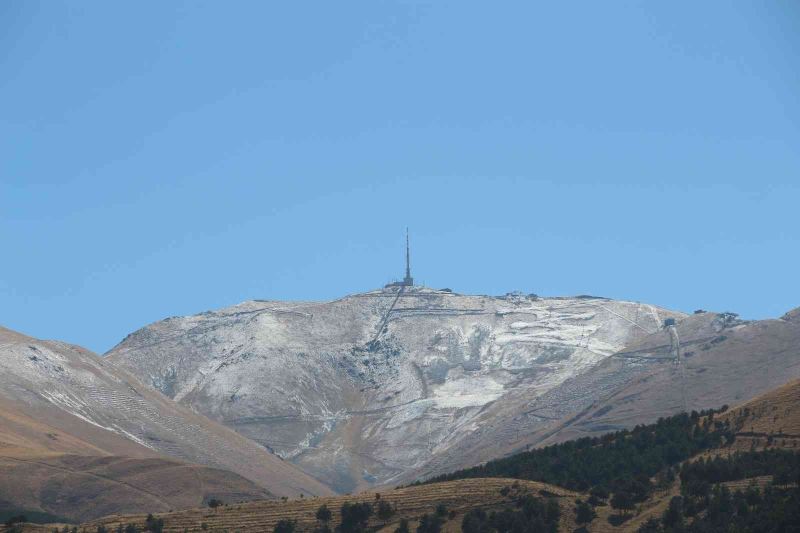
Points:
x=408, y=280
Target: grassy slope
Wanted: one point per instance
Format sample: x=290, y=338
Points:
x=773, y=417
x=54, y=462
x=411, y=502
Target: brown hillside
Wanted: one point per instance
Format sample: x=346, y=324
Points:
x=771, y=419
x=43, y=468
x=79, y=487
x=411, y=502
x=80, y=438
x=37, y=432
x=63, y=398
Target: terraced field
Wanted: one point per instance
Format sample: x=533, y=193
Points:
x=410, y=503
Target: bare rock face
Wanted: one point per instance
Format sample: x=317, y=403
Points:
x=366, y=389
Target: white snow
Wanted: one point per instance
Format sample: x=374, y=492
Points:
x=467, y=392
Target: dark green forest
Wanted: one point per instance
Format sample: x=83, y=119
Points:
x=707, y=506
x=622, y=462
x=529, y=514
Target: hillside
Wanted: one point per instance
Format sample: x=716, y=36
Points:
x=712, y=471
x=726, y=362
x=79, y=436
x=771, y=420
x=679, y=474
x=363, y=390
x=653, y=466
x=80, y=487
x=411, y=503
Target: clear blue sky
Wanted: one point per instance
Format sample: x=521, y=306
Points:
x=161, y=158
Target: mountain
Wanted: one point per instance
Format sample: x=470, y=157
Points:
x=681, y=455
x=726, y=361
x=80, y=436
x=366, y=389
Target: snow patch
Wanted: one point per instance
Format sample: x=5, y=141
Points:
x=473, y=392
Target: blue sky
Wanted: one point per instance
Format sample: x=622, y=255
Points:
x=165, y=158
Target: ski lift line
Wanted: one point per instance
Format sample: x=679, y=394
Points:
x=676, y=351
x=641, y=357
x=544, y=417
x=264, y=310
x=386, y=315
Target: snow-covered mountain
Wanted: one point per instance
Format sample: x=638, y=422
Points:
x=365, y=389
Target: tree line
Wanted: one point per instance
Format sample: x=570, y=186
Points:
x=622, y=463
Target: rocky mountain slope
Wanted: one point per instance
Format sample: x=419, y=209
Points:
x=726, y=361
x=366, y=389
x=77, y=431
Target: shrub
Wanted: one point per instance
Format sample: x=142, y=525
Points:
x=673, y=516
x=354, y=517
x=16, y=520
x=430, y=523
x=650, y=526
x=324, y=514
x=622, y=501
x=403, y=527
x=584, y=513
x=385, y=511
x=156, y=525
x=284, y=526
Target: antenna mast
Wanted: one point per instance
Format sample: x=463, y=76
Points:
x=408, y=256
x=408, y=280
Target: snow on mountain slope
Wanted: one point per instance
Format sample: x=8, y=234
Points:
x=361, y=390
x=59, y=398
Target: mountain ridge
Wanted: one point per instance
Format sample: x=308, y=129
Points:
x=382, y=379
